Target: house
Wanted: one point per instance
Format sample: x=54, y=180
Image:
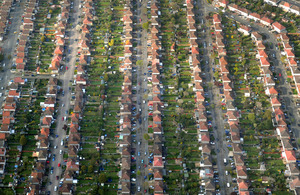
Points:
x=223, y=3
x=233, y=7
x=222, y=52
x=289, y=156
x=285, y=6
x=262, y=54
x=216, y=19
x=272, y=2
x=243, y=185
x=66, y=189
x=237, y=148
x=204, y=137
x=59, y=50
x=266, y=21
x=295, y=183
x=244, y=12
x=202, y=126
x=14, y=93
x=232, y=115
x=244, y=29
x=125, y=188
x=241, y=172
x=287, y=46
x=36, y=177
x=289, y=53
x=282, y=132
x=286, y=144
x=206, y=148
x=295, y=9
x=209, y=185
x=269, y=81
x=158, y=187
x=158, y=162
x=19, y=80
x=199, y=96
x=157, y=149
x=158, y=175
x=275, y=102
x=256, y=36
x=125, y=175
x=264, y=62
x=80, y=79
x=206, y=173
x=238, y=160
x=206, y=161
x=278, y=27
x=284, y=37
x=292, y=170
x=218, y=27
x=254, y=16
x=271, y=91
x=292, y=62
x=87, y=21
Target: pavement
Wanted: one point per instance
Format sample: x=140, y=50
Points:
x=65, y=77
x=9, y=44
x=213, y=92
x=142, y=91
x=294, y=2
x=286, y=92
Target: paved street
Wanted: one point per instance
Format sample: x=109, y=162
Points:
x=286, y=92
x=9, y=44
x=294, y=2
x=142, y=92
x=64, y=100
x=213, y=93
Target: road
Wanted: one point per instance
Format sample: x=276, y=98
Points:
x=213, y=93
x=293, y=2
x=64, y=100
x=285, y=89
x=9, y=44
x=142, y=92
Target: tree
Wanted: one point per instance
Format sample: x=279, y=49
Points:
x=83, y=168
x=43, y=38
x=139, y=62
x=23, y=140
x=251, y=117
x=111, y=43
x=146, y=136
x=102, y=178
x=1, y=57
x=145, y=25
x=106, y=77
x=90, y=169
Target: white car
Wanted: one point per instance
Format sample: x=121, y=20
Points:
x=139, y=188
